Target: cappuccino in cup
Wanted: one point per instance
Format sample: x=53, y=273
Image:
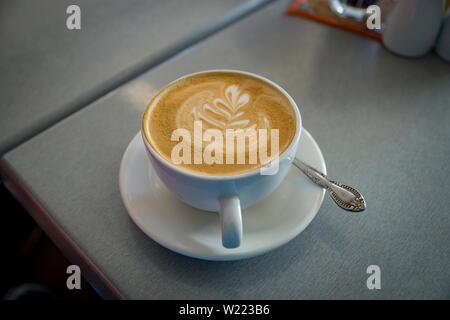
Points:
x=222, y=140
x=220, y=123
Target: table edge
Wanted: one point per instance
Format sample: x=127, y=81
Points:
x=60, y=238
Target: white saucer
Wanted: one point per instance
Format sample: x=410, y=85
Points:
x=195, y=233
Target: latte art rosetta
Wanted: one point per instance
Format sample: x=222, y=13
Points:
x=220, y=123
x=220, y=109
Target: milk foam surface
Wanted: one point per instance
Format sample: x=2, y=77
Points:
x=221, y=101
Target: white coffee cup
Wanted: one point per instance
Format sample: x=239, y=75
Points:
x=412, y=27
x=228, y=194
x=443, y=43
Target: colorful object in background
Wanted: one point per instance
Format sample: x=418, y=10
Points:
x=321, y=10
x=355, y=9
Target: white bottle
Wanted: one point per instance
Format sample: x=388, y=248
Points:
x=443, y=44
x=412, y=27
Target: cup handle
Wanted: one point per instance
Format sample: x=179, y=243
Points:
x=231, y=221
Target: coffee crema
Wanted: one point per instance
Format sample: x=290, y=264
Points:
x=220, y=101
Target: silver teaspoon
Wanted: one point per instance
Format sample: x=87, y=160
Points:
x=345, y=197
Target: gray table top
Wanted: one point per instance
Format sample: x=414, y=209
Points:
x=382, y=122
x=47, y=72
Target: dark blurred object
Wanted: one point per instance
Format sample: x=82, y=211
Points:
x=15, y=230
x=28, y=291
x=359, y=3
x=355, y=9
x=32, y=267
x=412, y=27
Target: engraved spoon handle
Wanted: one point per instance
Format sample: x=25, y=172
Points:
x=345, y=197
